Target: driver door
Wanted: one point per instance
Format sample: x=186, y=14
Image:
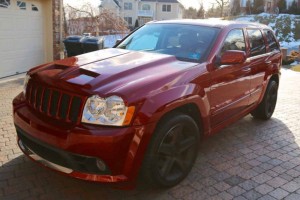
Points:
x=230, y=89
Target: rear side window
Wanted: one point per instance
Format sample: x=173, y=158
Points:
x=234, y=41
x=273, y=45
x=257, y=43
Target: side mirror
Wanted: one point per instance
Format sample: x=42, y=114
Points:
x=118, y=41
x=233, y=57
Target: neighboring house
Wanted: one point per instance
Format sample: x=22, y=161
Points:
x=81, y=25
x=30, y=34
x=145, y=10
x=112, y=5
x=270, y=5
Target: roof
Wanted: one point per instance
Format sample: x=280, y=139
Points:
x=163, y=1
x=117, y=2
x=213, y=23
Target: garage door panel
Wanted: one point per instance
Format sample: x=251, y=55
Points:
x=21, y=38
x=17, y=62
x=4, y=25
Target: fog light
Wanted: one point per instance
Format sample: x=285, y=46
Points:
x=101, y=165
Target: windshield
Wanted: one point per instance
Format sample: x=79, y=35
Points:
x=185, y=42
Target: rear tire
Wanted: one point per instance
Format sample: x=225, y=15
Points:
x=172, y=151
x=266, y=108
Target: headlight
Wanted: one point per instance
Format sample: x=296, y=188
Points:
x=26, y=79
x=110, y=111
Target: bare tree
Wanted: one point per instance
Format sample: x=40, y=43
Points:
x=91, y=19
x=222, y=4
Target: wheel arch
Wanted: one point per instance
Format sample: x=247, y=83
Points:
x=190, y=109
x=275, y=77
x=188, y=99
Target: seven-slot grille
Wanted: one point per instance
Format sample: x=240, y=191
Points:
x=54, y=103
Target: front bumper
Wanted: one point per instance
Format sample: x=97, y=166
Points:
x=75, y=150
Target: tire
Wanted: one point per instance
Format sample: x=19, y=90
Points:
x=172, y=151
x=266, y=108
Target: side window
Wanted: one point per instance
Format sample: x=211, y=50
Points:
x=146, y=7
x=234, y=41
x=128, y=20
x=21, y=5
x=166, y=8
x=34, y=7
x=273, y=45
x=127, y=6
x=257, y=43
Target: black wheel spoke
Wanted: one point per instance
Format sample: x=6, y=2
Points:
x=186, y=144
x=166, y=149
x=177, y=131
x=167, y=167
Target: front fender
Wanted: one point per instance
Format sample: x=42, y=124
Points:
x=163, y=102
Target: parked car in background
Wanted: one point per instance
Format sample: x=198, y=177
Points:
x=142, y=107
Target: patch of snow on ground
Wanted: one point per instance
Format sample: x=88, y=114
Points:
x=291, y=46
x=246, y=18
x=294, y=63
x=264, y=14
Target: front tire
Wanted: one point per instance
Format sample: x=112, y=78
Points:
x=266, y=108
x=172, y=151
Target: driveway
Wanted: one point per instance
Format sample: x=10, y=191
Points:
x=251, y=159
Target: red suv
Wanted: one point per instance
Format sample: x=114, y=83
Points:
x=142, y=107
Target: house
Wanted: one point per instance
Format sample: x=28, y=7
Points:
x=112, y=5
x=30, y=34
x=144, y=11
x=270, y=5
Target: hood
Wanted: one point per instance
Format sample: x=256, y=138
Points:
x=111, y=71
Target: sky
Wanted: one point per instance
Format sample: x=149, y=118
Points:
x=186, y=3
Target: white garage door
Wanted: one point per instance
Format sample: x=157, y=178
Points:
x=21, y=36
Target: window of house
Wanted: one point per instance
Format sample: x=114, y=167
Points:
x=243, y=3
x=146, y=7
x=166, y=8
x=273, y=45
x=235, y=40
x=127, y=6
x=257, y=43
x=4, y=3
x=34, y=7
x=21, y=5
x=128, y=20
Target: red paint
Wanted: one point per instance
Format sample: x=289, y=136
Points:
x=155, y=84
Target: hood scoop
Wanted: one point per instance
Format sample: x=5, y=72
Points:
x=81, y=77
x=52, y=70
